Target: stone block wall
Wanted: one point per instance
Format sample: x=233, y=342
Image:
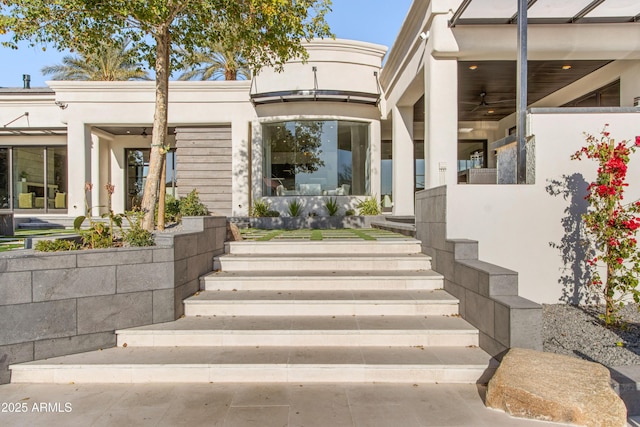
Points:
x=488, y=293
x=53, y=304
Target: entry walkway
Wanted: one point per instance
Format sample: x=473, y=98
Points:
x=262, y=405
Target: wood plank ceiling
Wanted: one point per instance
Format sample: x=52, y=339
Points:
x=497, y=81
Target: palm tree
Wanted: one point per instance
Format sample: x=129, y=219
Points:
x=112, y=62
x=216, y=63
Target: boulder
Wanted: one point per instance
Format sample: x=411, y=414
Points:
x=553, y=387
x=233, y=232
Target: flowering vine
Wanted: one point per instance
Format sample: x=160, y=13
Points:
x=611, y=224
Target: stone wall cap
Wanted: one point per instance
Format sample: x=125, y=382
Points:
x=485, y=267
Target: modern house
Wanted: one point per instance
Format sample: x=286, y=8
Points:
x=440, y=112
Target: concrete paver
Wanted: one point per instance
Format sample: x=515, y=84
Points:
x=242, y=405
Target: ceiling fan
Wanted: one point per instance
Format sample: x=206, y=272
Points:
x=483, y=102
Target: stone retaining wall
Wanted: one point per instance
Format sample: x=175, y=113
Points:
x=488, y=293
x=52, y=304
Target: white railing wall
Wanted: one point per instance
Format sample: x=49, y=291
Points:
x=533, y=229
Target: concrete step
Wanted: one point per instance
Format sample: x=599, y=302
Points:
x=261, y=364
x=300, y=331
x=394, y=246
x=325, y=280
x=315, y=262
x=321, y=303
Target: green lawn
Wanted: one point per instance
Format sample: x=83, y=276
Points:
x=317, y=235
x=8, y=243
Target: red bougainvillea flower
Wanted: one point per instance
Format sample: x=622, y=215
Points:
x=638, y=140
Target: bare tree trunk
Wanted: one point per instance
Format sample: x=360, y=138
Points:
x=159, y=136
x=162, y=193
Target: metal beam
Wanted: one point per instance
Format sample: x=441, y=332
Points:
x=586, y=10
x=458, y=13
x=514, y=18
x=521, y=94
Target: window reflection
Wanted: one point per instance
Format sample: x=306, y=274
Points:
x=4, y=179
x=315, y=158
x=39, y=176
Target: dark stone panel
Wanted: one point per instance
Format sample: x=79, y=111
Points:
x=108, y=313
x=144, y=277
x=36, y=321
x=15, y=288
x=71, y=345
x=68, y=283
x=11, y=354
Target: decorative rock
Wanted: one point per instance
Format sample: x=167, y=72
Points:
x=552, y=387
x=233, y=233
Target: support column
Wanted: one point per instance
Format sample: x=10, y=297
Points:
x=79, y=167
x=256, y=161
x=521, y=93
x=240, y=143
x=403, y=162
x=99, y=199
x=441, y=121
x=117, y=172
x=375, y=159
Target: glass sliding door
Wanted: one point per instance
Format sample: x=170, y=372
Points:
x=28, y=178
x=137, y=170
x=5, y=194
x=57, y=178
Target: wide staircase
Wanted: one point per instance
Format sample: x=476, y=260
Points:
x=287, y=311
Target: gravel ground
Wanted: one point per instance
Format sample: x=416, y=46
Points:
x=579, y=332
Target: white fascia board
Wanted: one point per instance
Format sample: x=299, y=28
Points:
x=136, y=92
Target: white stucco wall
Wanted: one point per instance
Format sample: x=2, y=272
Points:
x=515, y=224
x=94, y=105
x=341, y=65
x=98, y=157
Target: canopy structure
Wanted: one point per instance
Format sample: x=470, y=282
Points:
x=479, y=12
x=522, y=13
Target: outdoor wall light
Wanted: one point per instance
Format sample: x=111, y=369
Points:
x=473, y=67
x=566, y=67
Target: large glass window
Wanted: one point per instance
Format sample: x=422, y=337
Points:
x=418, y=156
x=39, y=177
x=316, y=158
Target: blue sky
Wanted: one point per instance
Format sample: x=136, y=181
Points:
x=376, y=21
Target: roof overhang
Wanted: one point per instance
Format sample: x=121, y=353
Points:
x=315, y=95
x=33, y=131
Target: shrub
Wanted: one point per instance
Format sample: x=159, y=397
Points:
x=56, y=245
x=171, y=209
x=260, y=208
x=350, y=212
x=136, y=235
x=295, y=208
x=272, y=214
x=97, y=236
x=612, y=225
x=190, y=205
x=331, y=204
x=369, y=206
